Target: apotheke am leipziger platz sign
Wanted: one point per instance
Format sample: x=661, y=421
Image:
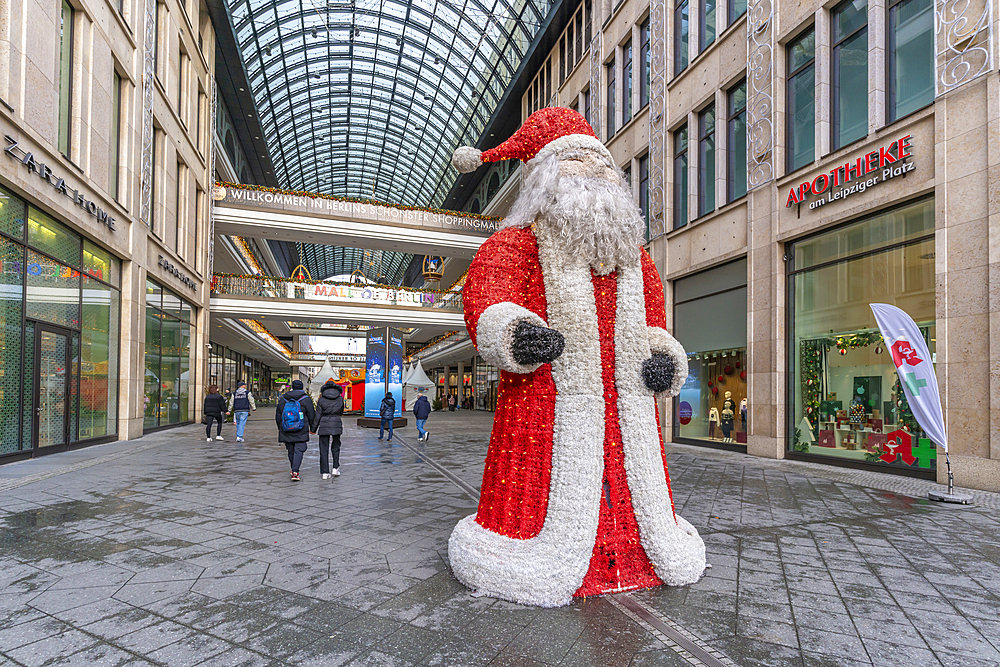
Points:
x=891, y=160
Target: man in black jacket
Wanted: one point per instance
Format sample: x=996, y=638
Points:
x=386, y=412
x=296, y=442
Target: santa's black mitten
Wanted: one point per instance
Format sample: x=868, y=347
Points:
x=536, y=345
x=658, y=372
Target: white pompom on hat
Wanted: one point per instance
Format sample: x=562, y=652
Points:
x=467, y=159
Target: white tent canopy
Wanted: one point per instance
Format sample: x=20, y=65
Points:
x=326, y=372
x=415, y=383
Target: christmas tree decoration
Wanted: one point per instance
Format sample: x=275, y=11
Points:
x=575, y=498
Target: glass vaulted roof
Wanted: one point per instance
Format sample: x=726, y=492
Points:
x=379, y=266
x=369, y=98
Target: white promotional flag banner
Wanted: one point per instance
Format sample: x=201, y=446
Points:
x=913, y=363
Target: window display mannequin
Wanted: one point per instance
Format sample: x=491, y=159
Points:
x=729, y=403
x=743, y=415
x=727, y=424
x=713, y=420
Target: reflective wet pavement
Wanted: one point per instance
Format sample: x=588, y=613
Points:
x=170, y=550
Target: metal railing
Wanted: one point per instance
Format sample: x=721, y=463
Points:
x=272, y=287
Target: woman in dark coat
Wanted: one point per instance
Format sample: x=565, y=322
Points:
x=329, y=408
x=296, y=442
x=214, y=408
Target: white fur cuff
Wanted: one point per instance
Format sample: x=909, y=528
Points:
x=495, y=335
x=572, y=141
x=661, y=342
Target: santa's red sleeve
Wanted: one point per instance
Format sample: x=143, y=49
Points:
x=661, y=342
x=504, y=287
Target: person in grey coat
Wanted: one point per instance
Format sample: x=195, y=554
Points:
x=330, y=407
x=296, y=442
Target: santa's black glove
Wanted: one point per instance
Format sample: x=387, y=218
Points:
x=658, y=372
x=536, y=345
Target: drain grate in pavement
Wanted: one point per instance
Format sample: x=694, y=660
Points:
x=685, y=644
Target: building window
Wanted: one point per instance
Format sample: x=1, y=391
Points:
x=611, y=98
x=183, y=66
x=562, y=56
x=910, y=56
x=710, y=321
x=67, y=20
x=627, y=175
x=585, y=101
x=850, y=72
x=680, y=37
x=588, y=7
x=706, y=29
x=116, y=134
x=802, y=100
x=153, y=181
x=644, y=190
x=199, y=202
x=167, y=357
x=644, y=63
x=201, y=111
x=845, y=399
x=736, y=167
x=181, y=198
x=680, y=177
x=706, y=161
x=627, y=82
x=579, y=36
x=737, y=8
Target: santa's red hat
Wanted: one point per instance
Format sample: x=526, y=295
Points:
x=547, y=131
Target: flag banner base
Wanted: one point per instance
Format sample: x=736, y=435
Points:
x=944, y=497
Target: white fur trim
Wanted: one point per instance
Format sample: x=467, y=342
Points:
x=661, y=342
x=495, y=335
x=467, y=159
x=547, y=569
x=672, y=544
x=570, y=142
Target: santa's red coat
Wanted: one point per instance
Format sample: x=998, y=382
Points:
x=515, y=489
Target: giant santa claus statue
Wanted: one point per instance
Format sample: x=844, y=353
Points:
x=563, y=299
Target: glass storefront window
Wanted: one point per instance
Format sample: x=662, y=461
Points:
x=11, y=352
x=53, y=238
x=101, y=264
x=65, y=332
x=12, y=213
x=168, y=358
x=710, y=321
x=53, y=292
x=845, y=399
x=99, y=366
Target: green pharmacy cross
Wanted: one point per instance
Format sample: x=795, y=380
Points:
x=913, y=384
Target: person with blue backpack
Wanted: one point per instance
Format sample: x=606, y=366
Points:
x=295, y=417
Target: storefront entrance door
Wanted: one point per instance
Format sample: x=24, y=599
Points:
x=52, y=387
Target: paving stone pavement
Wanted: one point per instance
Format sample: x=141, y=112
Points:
x=170, y=550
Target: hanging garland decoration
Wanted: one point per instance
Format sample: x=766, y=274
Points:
x=357, y=200
x=306, y=281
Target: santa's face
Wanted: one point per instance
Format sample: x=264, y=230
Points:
x=588, y=164
x=580, y=199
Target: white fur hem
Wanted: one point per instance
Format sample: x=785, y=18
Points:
x=569, y=142
x=661, y=342
x=495, y=335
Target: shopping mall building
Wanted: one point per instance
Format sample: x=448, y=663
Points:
x=794, y=162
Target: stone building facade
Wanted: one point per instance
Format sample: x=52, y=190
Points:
x=106, y=112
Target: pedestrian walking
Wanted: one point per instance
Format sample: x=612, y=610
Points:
x=240, y=404
x=421, y=410
x=386, y=411
x=214, y=408
x=296, y=417
x=330, y=407
x=451, y=402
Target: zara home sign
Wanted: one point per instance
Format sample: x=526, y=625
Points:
x=891, y=160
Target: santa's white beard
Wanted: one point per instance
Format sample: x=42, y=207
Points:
x=590, y=218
